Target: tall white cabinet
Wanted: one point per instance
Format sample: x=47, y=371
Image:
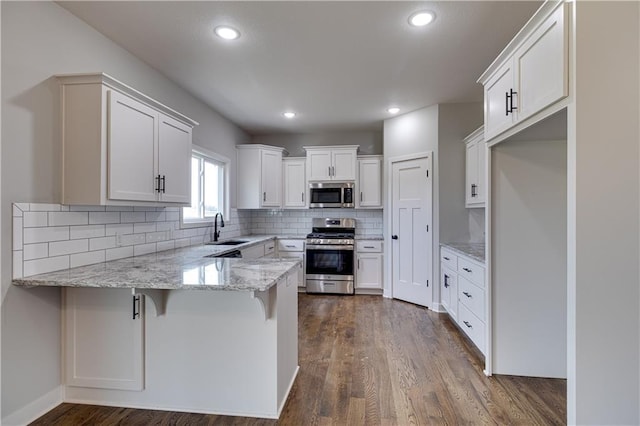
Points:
x=369, y=184
x=294, y=183
x=476, y=179
x=259, y=176
x=120, y=147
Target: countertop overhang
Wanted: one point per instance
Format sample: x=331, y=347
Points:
x=179, y=269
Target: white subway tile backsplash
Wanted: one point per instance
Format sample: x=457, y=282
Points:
x=139, y=228
x=68, y=247
x=144, y=209
x=104, y=217
x=17, y=233
x=35, y=219
x=153, y=237
x=130, y=217
x=78, y=208
x=183, y=242
x=41, y=266
x=155, y=216
x=86, y=231
x=44, y=207
x=144, y=249
x=119, y=209
x=173, y=215
x=87, y=258
x=68, y=218
x=17, y=264
x=166, y=245
x=42, y=235
x=120, y=228
x=102, y=243
x=166, y=226
x=132, y=239
x=118, y=253
x=35, y=251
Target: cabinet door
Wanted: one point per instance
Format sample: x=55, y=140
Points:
x=471, y=186
x=318, y=164
x=132, y=148
x=369, y=273
x=271, y=165
x=174, y=160
x=542, y=64
x=369, y=183
x=295, y=183
x=496, y=118
x=344, y=164
x=449, y=289
x=104, y=345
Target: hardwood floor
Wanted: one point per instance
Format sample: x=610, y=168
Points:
x=366, y=360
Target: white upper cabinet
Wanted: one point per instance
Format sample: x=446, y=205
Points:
x=476, y=181
x=294, y=183
x=531, y=74
x=369, y=182
x=258, y=176
x=121, y=147
x=331, y=163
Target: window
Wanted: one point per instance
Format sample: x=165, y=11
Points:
x=209, y=182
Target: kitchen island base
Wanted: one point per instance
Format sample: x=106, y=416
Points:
x=211, y=352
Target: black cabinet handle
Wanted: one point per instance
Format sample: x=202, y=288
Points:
x=509, y=107
x=446, y=279
x=466, y=269
x=394, y=237
x=264, y=196
x=157, y=178
x=303, y=197
x=446, y=258
x=136, y=306
x=164, y=183
x=467, y=324
x=473, y=190
x=466, y=294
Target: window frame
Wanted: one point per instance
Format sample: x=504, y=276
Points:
x=226, y=165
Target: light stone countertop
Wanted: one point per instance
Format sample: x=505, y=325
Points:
x=180, y=269
x=472, y=250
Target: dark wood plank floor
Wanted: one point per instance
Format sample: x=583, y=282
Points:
x=366, y=361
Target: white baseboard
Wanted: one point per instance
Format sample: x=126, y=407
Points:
x=35, y=409
x=437, y=307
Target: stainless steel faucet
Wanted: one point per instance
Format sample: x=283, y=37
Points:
x=216, y=232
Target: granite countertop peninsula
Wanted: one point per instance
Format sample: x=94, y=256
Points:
x=472, y=250
x=179, y=269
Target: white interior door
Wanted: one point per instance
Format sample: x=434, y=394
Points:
x=411, y=198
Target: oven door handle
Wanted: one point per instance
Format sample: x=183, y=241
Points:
x=329, y=247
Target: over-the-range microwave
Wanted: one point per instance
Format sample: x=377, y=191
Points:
x=331, y=195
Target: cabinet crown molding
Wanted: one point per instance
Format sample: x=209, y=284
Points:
x=479, y=132
x=107, y=80
x=331, y=147
x=260, y=146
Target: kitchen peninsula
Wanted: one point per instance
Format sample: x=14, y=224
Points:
x=221, y=337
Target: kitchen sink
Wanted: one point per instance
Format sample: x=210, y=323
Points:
x=227, y=243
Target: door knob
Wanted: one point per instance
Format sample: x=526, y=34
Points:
x=394, y=237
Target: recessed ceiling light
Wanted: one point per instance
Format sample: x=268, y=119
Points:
x=422, y=18
x=227, y=33
x=393, y=110
x=289, y=114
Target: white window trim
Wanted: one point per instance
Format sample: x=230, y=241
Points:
x=227, y=165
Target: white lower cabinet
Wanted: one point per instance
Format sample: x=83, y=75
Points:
x=463, y=295
x=369, y=265
x=293, y=249
x=103, y=342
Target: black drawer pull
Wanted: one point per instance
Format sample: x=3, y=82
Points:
x=466, y=294
x=446, y=281
x=466, y=269
x=467, y=324
x=446, y=258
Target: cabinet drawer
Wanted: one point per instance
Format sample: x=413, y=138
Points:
x=269, y=248
x=448, y=259
x=472, y=326
x=471, y=271
x=292, y=255
x=369, y=246
x=290, y=245
x=471, y=296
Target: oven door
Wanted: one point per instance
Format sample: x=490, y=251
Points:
x=330, y=262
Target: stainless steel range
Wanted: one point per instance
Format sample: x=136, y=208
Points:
x=330, y=256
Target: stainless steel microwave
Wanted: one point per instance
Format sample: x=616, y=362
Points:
x=331, y=194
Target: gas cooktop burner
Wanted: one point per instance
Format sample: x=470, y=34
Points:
x=330, y=235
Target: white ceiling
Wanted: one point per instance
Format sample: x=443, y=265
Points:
x=338, y=64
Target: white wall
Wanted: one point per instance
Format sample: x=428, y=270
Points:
x=603, y=201
x=40, y=39
x=370, y=141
